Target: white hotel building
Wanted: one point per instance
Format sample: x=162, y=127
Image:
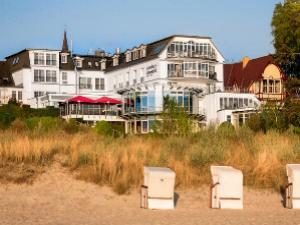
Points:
x=186, y=68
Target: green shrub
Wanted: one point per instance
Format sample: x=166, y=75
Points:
x=109, y=129
x=226, y=129
x=71, y=126
x=255, y=122
x=175, y=120
x=43, y=124
x=104, y=128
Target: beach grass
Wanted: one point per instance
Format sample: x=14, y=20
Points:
x=119, y=162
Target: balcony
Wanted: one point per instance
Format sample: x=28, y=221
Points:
x=201, y=55
x=192, y=74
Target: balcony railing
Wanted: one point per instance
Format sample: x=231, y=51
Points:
x=192, y=74
x=192, y=55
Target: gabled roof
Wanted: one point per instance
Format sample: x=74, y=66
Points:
x=235, y=74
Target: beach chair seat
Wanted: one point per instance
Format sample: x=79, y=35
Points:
x=157, y=191
x=293, y=187
x=226, y=188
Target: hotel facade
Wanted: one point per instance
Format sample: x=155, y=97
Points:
x=188, y=69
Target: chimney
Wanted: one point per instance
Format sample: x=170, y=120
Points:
x=245, y=61
x=100, y=53
x=118, y=51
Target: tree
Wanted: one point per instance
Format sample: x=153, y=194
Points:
x=286, y=32
x=174, y=120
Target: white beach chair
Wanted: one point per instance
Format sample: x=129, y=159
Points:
x=293, y=187
x=227, y=188
x=157, y=192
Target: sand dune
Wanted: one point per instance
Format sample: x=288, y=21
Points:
x=57, y=198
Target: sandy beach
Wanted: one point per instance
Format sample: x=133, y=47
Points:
x=56, y=197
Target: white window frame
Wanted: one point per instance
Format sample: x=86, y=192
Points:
x=64, y=77
x=85, y=83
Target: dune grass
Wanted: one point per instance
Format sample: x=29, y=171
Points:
x=118, y=162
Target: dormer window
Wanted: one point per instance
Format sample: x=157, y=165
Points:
x=16, y=60
x=64, y=58
x=143, y=51
x=103, y=64
x=128, y=56
x=116, y=60
x=78, y=63
x=135, y=54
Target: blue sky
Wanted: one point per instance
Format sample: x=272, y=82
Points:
x=238, y=27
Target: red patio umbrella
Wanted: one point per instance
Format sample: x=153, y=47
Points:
x=80, y=99
x=108, y=100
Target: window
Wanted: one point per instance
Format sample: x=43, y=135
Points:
x=221, y=103
x=50, y=76
x=246, y=102
x=142, y=79
x=128, y=56
x=228, y=118
x=191, y=49
x=89, y=64
x=38, y=94
x=203, y=69
x=135, y=54
x=78, y=63
x=85, y=83
x=16, y=60
x=14, y=95
x=39, y=59
x=212, y=73
x=64, y=78
x=96, y=64
x=115, y=60
x=64, y=59
x=20, y=95
x=144, y=126
x=190, y=69
x=51, y=59
x=103, y=64
x=277, y=86
x=143, y=52
x=271, y=86
x=241, y=104
x=175, y=70
x=39, y=76
x=265, y=86
x=99, y=84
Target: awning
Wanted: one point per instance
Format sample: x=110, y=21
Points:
x=107, y=100
x=80, y=99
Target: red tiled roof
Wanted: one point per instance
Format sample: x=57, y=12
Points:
x=235, y=74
